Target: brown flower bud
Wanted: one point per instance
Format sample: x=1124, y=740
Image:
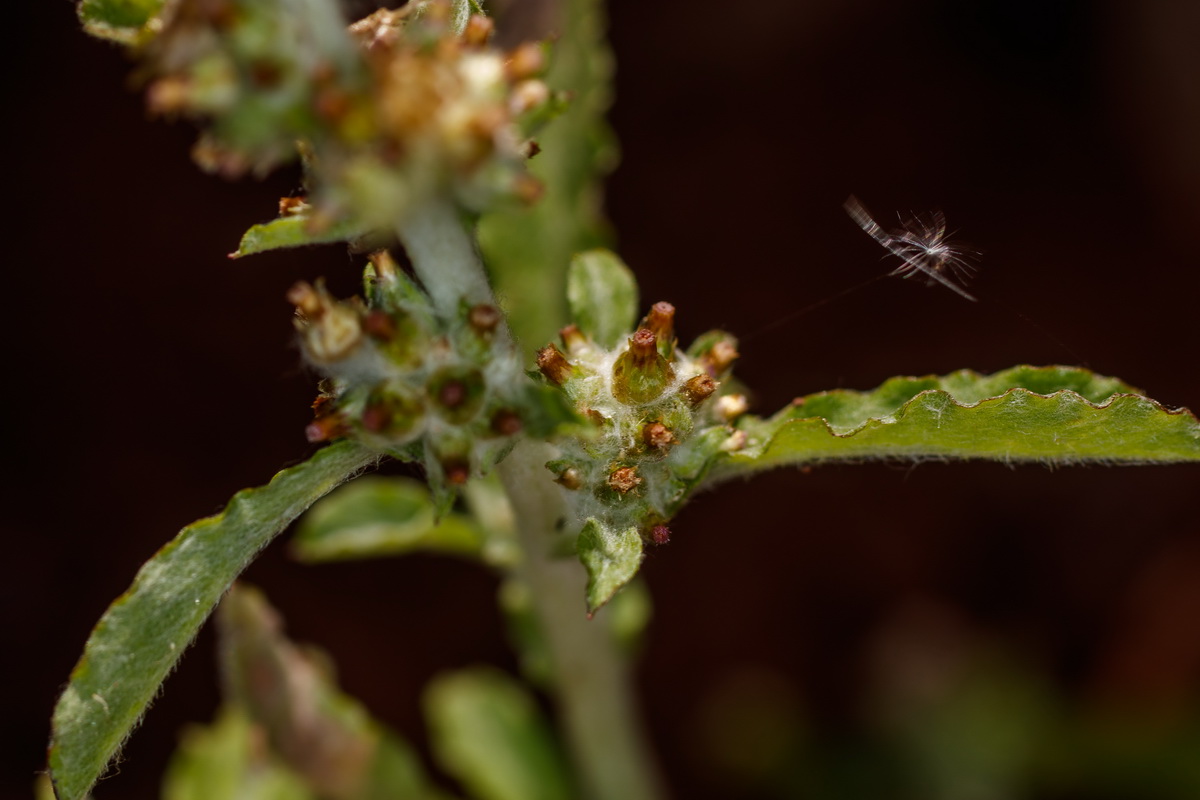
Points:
x=330, y=426
x=168, y=96
x=526, y=96
x=661, y=320
x=570, y=478
x=483, y=318
x=290, y=206
x=457, y=471
x=524, y=62
x=385, y=265
x=720, y=356
x=506, y=422
x=573, y=339
x=657, y=435
x=554, y=365
x=624, y=479
x=379, y=325
x=698, y=389
x=457, y=392
x=479, y=29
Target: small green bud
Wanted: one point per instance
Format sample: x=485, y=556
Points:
x=393, y=410
x=457, y=393
x=640, y=375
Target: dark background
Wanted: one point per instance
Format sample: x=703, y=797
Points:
x=804, y=623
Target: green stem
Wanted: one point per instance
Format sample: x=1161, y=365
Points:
x=592, y=677
x=593, y=688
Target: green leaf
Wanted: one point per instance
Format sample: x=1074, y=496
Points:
x=1051, y=414
x=489, y=734
x=528, y=249
x=377, y=516
x=226, y=761
x=124, y=21
x=296, y=231
x=325, y=737
x=603, y=296
x=145, y=631
x=611, y=559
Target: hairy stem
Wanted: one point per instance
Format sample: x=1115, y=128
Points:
x=592, y=678
x=444, y=256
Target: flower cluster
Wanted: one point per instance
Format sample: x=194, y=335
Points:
x=400, y=107
x=448, y=393
x=660, y=417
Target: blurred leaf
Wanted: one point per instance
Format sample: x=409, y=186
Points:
x=603, y=296
x=1053, y=414
x=295, y=231
x=489, y=734
x=461, y=11
x=611, y=559
x=528, y=249
x=145, y=631
x=379, y=516
x=629, y=614
x=227, y=761
x=123, y=21
x=323, y=735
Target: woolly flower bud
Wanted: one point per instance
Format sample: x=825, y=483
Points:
x=641, y=374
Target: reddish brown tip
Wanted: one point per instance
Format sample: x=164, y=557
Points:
x=698, y=389
x=624, y=479
x=554, y=365
x=657, y=435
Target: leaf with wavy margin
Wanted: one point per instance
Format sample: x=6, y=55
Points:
x=611, y=557
x=1051, y=414
x=144, y=632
